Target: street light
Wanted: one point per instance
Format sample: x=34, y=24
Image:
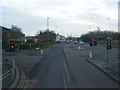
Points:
x=108, y=43
x=91, y=41
x=48, y=23
x=90, y=31
x=109, y=24
x=56, y=29
x=48, y=30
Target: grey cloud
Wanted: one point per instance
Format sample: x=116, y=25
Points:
x=28, y=23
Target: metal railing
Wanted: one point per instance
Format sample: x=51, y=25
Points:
x=9, y=76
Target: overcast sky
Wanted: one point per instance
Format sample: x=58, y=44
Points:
x=72, y=17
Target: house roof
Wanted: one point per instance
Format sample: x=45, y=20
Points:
x=4, y=28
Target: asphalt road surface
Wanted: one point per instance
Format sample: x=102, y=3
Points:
x=63, y=67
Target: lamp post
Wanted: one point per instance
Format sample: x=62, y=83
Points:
x=90, y=31
x=55, y=33
x=109, y=24
x=92, y=38
x=107, y=49
x=48, y=23
x=56, y=29
x=48, y=30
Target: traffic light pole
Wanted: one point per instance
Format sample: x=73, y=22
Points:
x=93, y=46
x=107, y=59
x=108, y=44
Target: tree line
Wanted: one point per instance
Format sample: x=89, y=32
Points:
x=14, y=33
x=100, y=35
x=46, y=36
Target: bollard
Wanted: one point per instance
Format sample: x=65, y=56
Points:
x=79, y=47
x=73, y=45
x=90, y=54
x=42, y=52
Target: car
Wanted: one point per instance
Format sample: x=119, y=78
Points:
x=81, y=42
x=75, y=42
x=37, y=48
x=67, y=41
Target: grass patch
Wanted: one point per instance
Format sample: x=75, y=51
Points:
x=28, y=46
x=114, y=43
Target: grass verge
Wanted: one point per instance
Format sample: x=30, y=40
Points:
x=114, y=43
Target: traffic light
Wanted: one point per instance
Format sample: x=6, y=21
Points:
x=95, y=42
x=109, y=43
x=12, y=45
x=91, y=43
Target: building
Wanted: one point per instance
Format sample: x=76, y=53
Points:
x=10, y=35
x=60, y=38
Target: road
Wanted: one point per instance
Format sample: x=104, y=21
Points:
x=64, y=67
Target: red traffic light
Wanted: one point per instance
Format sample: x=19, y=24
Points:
x=109, y=40
x=12, y=42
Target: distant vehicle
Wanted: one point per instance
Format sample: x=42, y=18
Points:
x=58, y=39
x=67, y=41
x=37, y=48
x=81, y=42
x=75, y=42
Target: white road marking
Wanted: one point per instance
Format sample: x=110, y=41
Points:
x=68, y=77
x=64, y=80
